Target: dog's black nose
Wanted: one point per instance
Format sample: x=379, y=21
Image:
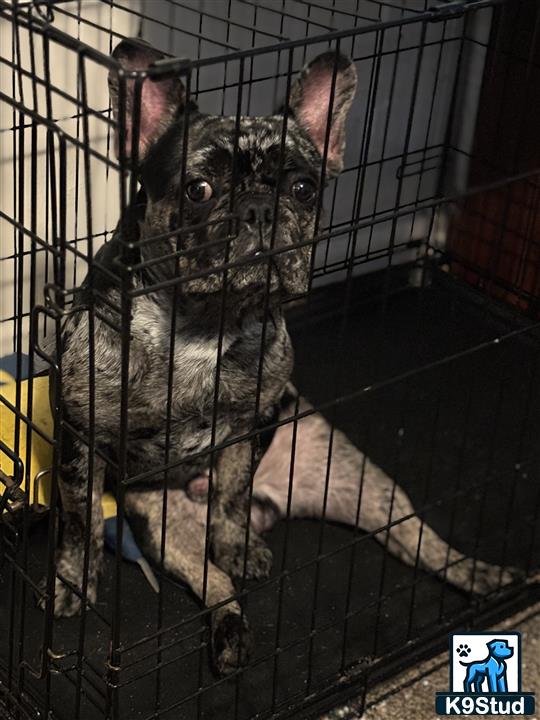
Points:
x=258, y=213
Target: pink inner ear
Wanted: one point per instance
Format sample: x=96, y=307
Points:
x=156, y=111
x=313, y=111
x=159, y=102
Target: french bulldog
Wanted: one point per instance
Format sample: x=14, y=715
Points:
x=197, y=363
x=204, y=291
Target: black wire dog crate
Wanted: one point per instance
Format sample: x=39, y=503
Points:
x=417, y=345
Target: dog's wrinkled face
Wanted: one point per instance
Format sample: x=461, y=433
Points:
x=215, y=188
x=236, y=170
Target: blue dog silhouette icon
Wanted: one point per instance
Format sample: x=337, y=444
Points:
x=492, y=669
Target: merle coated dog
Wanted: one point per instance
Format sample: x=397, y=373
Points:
x=220, y=299
x=208, y=317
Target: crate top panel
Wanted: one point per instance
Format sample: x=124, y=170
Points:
x=200, y=32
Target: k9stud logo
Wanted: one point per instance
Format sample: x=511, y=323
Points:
x=485, y=676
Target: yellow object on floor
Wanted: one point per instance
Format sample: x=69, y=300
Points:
x=41, y=458
x=41, y=450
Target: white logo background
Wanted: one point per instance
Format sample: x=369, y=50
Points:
x=479, y=651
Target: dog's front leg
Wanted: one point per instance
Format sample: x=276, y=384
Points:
x=237, y=550
x=185, y=558
x=70, y=556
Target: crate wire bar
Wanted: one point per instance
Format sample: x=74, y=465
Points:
x=414, y=340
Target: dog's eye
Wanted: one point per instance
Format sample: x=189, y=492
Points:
x=199, y=191
x=304, y=190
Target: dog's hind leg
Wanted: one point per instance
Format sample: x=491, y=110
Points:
x=184, y=558
x=413, y=539
x=71, y=556
x=360, y=494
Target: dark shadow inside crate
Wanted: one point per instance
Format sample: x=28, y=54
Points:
x=459, y=435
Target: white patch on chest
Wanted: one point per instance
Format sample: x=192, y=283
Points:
x=199, y=351
x=195, y=357
x=195, y=362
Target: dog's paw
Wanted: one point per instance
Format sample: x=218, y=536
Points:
x=230, y=558
x=488, y=578
x=66, y=602
x=463, y=650
x=259, y=561
x=482, y=578
x=231, y=643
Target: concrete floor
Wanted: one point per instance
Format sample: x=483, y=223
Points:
x=411, y=695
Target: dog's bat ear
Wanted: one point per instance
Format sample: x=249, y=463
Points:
x=317, y=99
x=161, y=100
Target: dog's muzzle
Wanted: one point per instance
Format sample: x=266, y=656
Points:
x=256, y=219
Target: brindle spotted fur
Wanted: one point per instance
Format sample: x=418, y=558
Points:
x=247, y=292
